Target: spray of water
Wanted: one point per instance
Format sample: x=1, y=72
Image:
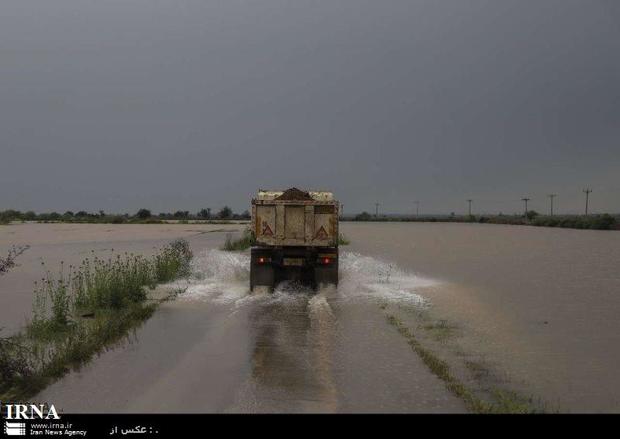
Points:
x=223, y=277
x=365, y=277
x=219, y=277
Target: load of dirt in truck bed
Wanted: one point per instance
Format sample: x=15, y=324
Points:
x=294, y=194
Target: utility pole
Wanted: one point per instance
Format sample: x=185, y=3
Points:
x=417, y=208
x=525, y=200
x=551, y=197
x=587, y=191
x=469, y=201
x=341, y=210
x=376, y=210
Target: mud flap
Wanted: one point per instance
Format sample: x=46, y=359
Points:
x=261, y=275
x=326, y=274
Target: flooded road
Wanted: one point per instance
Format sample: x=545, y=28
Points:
x=219, y=349
x=540, y=305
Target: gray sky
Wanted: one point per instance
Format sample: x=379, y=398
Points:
x=122, y=104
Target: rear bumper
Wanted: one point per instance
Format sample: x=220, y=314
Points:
x=309, y=265
x=283, y=256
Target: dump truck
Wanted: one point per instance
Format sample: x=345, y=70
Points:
x=296, y=236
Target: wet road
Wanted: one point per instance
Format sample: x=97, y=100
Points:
x=219, y=349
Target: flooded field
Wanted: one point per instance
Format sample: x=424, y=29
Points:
x=539, y=306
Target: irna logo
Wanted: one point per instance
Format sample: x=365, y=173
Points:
x=29, y=411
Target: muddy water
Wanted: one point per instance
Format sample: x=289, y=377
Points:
x=540, y=304
x=543, y=304
x=51, y=244
x=220, y=349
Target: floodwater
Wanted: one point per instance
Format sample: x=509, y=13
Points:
x=541, y=304
x=53, y=244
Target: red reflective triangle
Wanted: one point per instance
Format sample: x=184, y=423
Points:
x=321, y=234
x=267, y=230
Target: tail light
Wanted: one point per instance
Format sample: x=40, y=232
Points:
x=326, y=260
x=263, y=260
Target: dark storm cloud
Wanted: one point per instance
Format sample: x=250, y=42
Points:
x=120, y=104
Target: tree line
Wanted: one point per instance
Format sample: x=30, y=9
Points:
x=531, y=218
x=142, y=215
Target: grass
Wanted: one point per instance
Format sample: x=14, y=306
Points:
x=244, y=242
x=342, y=239
x=502, y=401
x=81, y=312
x=440, y=330
x=478, y=370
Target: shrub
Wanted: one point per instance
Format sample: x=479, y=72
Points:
x=98, y=284
x=143, y=214
x=364, y=216
x=246, y=241
x=117, y=219
x=531, y=214
x=15, y=363
x=180, y=214
x=173, y=262
x=603, y=222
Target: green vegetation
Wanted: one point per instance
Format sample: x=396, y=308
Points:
x=478, y=370
x=533, y=218
x=342, y=240
x=365, y=216
x=225, y=213
x=502, y=401
x=204, y=213
x=142, y=216
x=441, y=330
x=596, y=222
x=79, y=313
x=244, y=242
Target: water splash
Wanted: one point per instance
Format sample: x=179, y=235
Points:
x=219, y=277
x=223, y=277
x=367, y=277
